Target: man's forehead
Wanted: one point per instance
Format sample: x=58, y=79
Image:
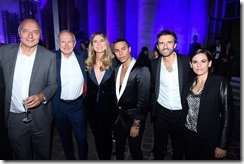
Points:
x=166, y=37
x=120, y=45
x=30, y=24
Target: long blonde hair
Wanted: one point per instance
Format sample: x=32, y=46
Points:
x=107, y=56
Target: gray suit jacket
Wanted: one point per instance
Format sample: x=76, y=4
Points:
x=43, y=80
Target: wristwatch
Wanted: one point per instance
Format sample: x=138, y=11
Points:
x=136, y=124
x=44, y=101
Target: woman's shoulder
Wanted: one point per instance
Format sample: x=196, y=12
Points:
x=218, y=79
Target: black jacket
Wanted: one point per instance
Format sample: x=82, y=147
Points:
x=215, y=117
x=100, y=100
x=133, y=103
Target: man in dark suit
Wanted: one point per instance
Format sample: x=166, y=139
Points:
x=194, y=45
x=5, y=148
x=68, y=107
x=217, y=50
x=170, y=73
x=29, y=74
x=133, y=93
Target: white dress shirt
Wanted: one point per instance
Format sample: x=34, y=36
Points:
x=21, y=81
x=169, y=92
x=71, y=78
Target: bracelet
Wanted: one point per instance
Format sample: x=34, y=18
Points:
x=136, y=125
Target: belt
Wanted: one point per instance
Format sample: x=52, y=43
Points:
x=70, y=101
x=168, y=110
x=29, y=112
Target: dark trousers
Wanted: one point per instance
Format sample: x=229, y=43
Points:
x=5, y=148
x=197, y=149
x=104, y=146
x=72, y=116
x=167, y=123
x=28, y=141
x=121, y=135
x=102, y=132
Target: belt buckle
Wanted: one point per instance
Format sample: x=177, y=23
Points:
x=66, y=101
x=70, y=101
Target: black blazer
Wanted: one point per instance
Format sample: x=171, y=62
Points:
x=100, y=100
x=215, y=117
x=184, y=73
x=133, y=103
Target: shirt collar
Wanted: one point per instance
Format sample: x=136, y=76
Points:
x=20, y=52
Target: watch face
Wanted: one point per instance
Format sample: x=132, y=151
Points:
x=44, y=101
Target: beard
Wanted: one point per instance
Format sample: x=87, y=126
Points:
x=166, y=54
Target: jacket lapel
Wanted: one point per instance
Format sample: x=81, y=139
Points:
x=12, y=61
x=58, y=58
x=36, y=65
x=83, y=70
x=180, y=73
x=82, y=65
x=107, y=75
x=120, y=91
x=93, y=76
x=157, y=78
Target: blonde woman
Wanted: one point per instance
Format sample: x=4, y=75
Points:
x=100, y=99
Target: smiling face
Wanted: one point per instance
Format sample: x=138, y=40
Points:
x=99, y=44
x=66, y=42
x=166, y=45
x=29, y=32
x=200, y=64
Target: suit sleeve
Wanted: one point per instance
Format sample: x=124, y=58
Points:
x=227, y=114
x=52, y=85
x=143, y=85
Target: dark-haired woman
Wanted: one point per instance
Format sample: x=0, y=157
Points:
x=207, y=111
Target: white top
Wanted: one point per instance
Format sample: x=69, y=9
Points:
x=21, y=80
x=120, y=92
x=71, y=78
x=169, y=92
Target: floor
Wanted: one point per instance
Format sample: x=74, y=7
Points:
x=147, y=145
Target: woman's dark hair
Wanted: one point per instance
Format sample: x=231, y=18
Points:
x=144, y=49
x=204, y=51
x=207, y=53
